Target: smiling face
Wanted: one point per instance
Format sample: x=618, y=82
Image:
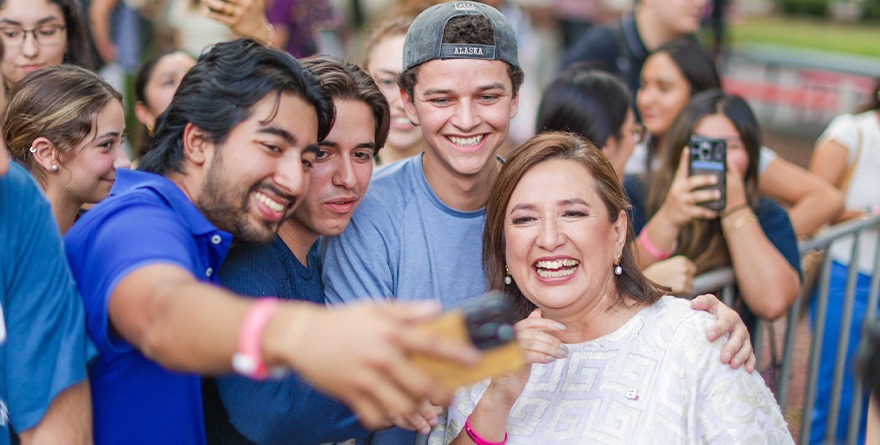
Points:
x=340, y=174
x=88, y=176
x=719, y=126
x=20, y=58
x=663, y=94
x=464, y=108
x=167, y=74
x=257, y=176
x=560, y=245
x=385, y=65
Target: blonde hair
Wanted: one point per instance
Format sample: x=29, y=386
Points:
x=59, y=103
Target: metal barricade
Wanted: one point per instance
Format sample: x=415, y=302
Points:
x=725, y=280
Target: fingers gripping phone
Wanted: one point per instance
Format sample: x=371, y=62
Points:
x=487, y=322
x=708, y=156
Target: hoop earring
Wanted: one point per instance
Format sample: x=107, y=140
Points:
x=618, y=269
x=508, y=280
x=32, y=149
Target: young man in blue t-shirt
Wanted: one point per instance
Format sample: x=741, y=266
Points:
x=230, y=157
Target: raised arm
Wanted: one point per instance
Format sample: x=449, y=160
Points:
x=679, y=208
x=489, y=417
x=767, y=281
x=246, y=18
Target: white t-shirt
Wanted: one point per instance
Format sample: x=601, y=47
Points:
x=655, y=380
x=850, y=131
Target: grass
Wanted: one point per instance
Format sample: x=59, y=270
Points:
x=857, y=39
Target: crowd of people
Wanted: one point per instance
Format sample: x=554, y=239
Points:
x=260, y=267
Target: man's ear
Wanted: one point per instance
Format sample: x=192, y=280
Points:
x=196, y=146
x=409, y=107
x=45, y=154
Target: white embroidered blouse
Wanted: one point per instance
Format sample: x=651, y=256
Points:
x=655, y=380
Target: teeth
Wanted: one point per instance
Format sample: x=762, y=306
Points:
x=269, y=203
x=474, y=140
x=555, y=274
x=557, y=264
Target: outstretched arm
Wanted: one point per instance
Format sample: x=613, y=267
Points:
x=359, y=353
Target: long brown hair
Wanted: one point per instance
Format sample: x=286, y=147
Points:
x=631, y=286
x=702, y=240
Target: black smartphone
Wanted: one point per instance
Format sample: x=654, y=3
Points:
x=487, y=322
x=708, y=156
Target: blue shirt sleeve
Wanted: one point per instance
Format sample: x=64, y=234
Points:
x=111, y=244
x=46, y=348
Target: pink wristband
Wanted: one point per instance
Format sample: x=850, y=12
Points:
x=649, y=246
x=476, y=437
x=249, y=358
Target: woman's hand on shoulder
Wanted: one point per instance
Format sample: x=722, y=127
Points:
x=738, y=349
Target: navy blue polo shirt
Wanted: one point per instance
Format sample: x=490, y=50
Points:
x=146, y=220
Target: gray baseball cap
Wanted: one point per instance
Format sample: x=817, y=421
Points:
x=424, y=40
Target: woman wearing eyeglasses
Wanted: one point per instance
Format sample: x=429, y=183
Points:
x=40, y=33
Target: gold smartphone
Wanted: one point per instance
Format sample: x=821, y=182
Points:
x=487, y=323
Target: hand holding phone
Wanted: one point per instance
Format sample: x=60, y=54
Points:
x=707, y=156
x=487, y=323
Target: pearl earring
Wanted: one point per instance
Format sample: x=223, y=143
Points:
x=508, y=280
x=618, y=270
x=54, y=167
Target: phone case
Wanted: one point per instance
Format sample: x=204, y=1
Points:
x=488, y=324
x=709, y=157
